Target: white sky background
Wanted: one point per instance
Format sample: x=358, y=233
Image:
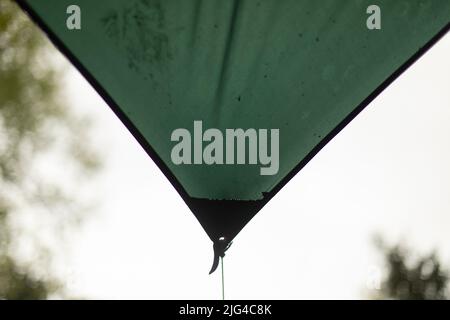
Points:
x=387, y=173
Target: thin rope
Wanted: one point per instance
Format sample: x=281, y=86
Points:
x=223, y=280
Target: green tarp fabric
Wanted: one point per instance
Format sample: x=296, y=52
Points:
x=300, y=66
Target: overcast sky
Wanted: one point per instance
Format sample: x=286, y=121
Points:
x=386, y=173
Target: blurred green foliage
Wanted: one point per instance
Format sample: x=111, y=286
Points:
x=412, y=277
x=33, y=116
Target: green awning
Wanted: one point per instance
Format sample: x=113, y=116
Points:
x=304, y=67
